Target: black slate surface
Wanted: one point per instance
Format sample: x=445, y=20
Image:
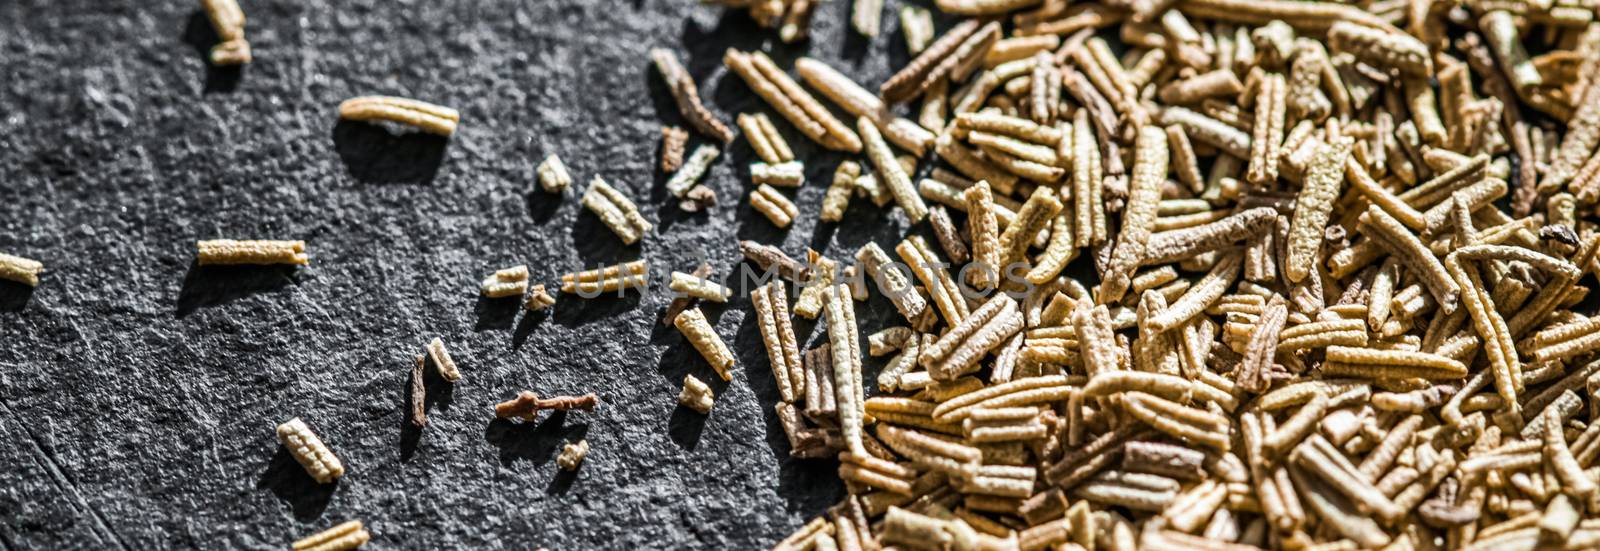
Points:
x=138, y=393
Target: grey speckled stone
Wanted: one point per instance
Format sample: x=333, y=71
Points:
x=138, y=394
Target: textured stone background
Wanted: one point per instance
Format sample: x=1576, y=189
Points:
x=138, y=394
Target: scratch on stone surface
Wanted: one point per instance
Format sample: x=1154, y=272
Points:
x=88, y=343
x=6, y=539
x=300, y=297
x=62, y=482
x=198, y=413
x=216, y=457
x=308, y=71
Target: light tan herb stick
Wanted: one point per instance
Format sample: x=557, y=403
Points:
x=342, y=537
x=510, y=282
x=228, y=22
x=310, y=451
x=692, y=323
x=225, y=252
x=572, y=455
x=552, y=174
x=21, y=270
x=427, y=117
x=616, y=211
x=696, y=395
x=610, y=279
